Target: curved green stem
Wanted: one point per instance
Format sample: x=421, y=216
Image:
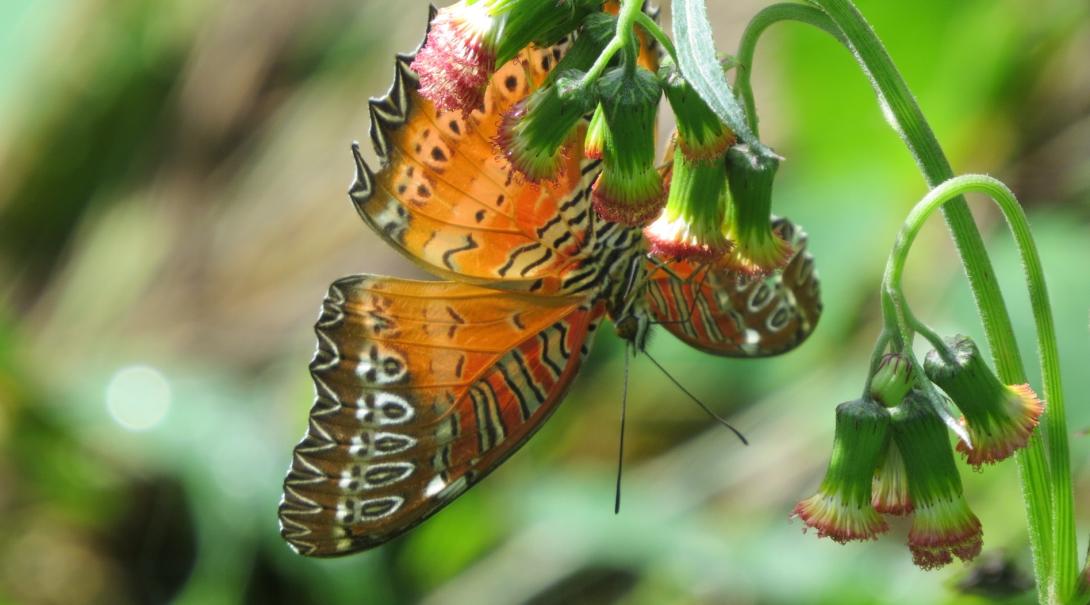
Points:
x=1064, y=564
x=630, y=12
x=648, y=24
x=747, y=47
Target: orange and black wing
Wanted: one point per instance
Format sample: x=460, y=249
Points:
x=724, y=313
x=446, y=199
x=422, y=388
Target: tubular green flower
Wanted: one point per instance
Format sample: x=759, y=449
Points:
x=943, y=526
x=890, y=492
x=629, y=190
x=841, y=510
x=689, y=226
x=702, y=136
x=533, y=132
x=998, y=417
x=757, y=249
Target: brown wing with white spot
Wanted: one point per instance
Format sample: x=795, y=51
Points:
x=422, y=388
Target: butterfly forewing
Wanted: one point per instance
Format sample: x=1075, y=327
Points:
x=448, y=201
x=721, y=312
x=422, y=387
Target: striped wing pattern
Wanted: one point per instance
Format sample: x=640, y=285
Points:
x=724, y=313
x=422, y=389
x=449, y=202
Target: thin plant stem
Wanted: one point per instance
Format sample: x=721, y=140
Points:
x=652, y=28
x=1054, y=419
x=747, y=47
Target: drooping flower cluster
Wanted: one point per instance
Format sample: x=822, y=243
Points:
x=915, y=472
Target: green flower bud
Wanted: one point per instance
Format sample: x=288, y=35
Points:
x=841, y=509
x=892, y=380
x=998, y=417
x=629, y=190
x=597, y=131
x=533, y=132
x=757, y=249
x=942, y=524
x=689, y=227
x=702, y=136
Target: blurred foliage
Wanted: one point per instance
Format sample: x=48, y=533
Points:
x=172, y=200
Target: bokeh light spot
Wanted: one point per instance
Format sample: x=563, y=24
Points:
x=138, y=397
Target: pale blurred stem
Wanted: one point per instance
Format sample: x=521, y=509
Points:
x=747, y=47
x=1054, y=420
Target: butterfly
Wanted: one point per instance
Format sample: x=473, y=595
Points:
x=424, y=387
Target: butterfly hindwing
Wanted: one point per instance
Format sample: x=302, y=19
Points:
x=422, y=388
x=724, y=313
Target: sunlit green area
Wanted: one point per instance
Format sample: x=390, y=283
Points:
x=172, y=209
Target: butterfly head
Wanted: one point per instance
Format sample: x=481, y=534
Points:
x=634, y=328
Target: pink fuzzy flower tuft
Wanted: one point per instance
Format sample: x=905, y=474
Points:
x=459, y=57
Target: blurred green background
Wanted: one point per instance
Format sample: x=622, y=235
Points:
x=172, y=208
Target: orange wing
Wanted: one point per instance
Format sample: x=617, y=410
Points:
x=723, y=313
x=448, y=201
x=422, y=389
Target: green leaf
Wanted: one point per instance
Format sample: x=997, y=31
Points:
x=700, y=66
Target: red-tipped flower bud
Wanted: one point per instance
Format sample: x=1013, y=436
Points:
x=942, y=524
x=629, y=190
x=890, y=492
x=758, y=250
x=467, y=40
x=532, y=134
x=999, y=418
x=702, y=136
x=690, y=225
x=841, y=510
x=892, y=380
x=596, y=135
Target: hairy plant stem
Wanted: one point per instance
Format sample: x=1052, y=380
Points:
x=747, y=47
x=1048, y=502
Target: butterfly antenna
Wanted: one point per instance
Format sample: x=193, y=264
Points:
x=620, y=449
x=698, y=402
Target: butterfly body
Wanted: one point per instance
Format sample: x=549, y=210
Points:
x=423, y=387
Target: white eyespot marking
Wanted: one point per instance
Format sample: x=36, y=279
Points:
x=384, y=409
x=370, y=444
x=360, y=477
x=353, y=510
x=435, y=486
x=381, y=366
